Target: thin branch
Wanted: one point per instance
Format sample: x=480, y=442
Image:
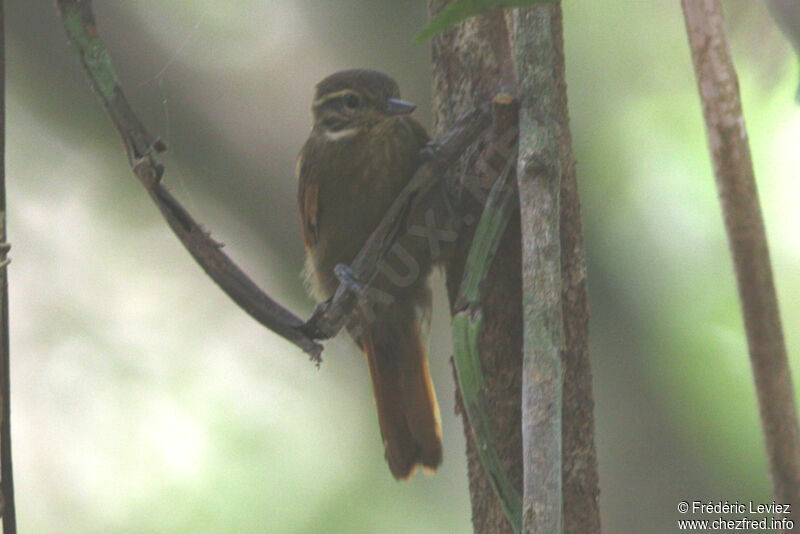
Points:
x=6, y=471
x=142, y=147
x=733, y=168
x=539, y=183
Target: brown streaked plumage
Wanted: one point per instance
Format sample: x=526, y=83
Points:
x=363, y=148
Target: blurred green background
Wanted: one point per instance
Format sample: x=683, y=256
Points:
x=145, y=401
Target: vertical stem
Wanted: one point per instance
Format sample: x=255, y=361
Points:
x=7, y=480
x=733, y=168
x=539, y=182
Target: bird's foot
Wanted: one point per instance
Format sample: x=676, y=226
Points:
x=433, y=152
x=348, y=278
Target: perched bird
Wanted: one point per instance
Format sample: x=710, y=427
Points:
x=362, y=150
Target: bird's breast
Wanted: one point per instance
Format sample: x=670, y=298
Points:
x=358, y=176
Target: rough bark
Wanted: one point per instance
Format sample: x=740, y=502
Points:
x=471, y=64
x=580, y=480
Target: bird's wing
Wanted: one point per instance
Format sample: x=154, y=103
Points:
x=308, y=201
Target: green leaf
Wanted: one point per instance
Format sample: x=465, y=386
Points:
x=459, y=10
x=466, y=326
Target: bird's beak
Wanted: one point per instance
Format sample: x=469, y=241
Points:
x=395, y=106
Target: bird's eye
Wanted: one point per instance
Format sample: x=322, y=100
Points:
x=351, y=101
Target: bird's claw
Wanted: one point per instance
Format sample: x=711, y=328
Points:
x=433, y=152
x=348, y=278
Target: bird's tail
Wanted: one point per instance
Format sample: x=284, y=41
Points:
x=407, y=409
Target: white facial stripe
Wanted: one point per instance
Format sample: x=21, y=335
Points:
x=338, y=94
x=341, y=134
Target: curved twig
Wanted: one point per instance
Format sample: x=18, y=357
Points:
x=142, y=148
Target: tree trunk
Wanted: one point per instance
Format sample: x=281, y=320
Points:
x=580, y=481
x=472, y=63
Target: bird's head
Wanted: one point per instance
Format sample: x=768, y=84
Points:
x=350, y=101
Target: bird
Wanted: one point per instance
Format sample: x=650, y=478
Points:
x=362, y=150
